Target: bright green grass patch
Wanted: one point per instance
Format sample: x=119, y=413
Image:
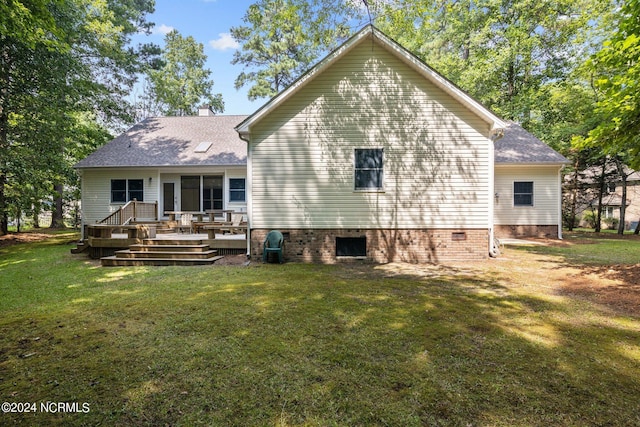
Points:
x=594, y=249
x=303, y=345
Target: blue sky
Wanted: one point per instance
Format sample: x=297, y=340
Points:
x=209, y=21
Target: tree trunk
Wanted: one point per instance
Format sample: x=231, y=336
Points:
x=600, y=194
x=5, y=72
x=57, y=214
x=574, y=196
x=4, y=218
x=36, y=218
x=623, y=205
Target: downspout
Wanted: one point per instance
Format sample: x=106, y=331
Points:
x=81, y=175
x=560, y=202
x=249, y=192
x=494, y=250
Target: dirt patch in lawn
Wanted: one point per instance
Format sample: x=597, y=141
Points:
x=17, y=238
x=616, y=286
x=233, y=260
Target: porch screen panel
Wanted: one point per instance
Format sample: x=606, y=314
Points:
x=190, y=193
x=212, y=192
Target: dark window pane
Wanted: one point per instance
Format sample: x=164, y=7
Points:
x=118, y=190
x=236, y=183
x=368, y=178
x=136, y=189
x=368, y=158
x=368, y=168
x=522, y=200
x=523, y=193
x=237, y=190
x=523, y=187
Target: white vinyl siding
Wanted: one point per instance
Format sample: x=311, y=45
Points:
x=546, y=195
x=96, y=186
x=436, y=152
x=96, y=190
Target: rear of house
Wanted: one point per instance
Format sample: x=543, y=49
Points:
x=372, y=154
x=369, y=155
x=178, y=163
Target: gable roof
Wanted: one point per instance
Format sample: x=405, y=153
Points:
x=372, y=33
x=173, y=141
x=517, y=146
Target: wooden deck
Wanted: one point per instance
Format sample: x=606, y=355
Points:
x=104, y=241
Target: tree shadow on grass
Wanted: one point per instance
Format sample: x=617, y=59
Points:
x=616, y=286
x=320, y=345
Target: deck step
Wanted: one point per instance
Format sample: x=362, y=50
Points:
x=172, y=242
x=80, y=247
x=163, y=252
x=175, y=254
x=114, y=261
x=169, y=248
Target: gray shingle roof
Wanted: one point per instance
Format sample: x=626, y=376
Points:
x=519, y=146
x=172, y=141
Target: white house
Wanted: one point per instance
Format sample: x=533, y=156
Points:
x=370, y=154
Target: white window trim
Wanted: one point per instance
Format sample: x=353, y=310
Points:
x=368, y=190
x=533, y=194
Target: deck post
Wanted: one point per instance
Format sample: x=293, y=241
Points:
x=135, y=203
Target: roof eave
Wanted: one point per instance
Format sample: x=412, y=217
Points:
x=499, y=163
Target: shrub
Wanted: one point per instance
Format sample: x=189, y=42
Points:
x=611, y=223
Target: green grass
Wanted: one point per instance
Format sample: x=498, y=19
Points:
x=295, y=344
x=594, y=249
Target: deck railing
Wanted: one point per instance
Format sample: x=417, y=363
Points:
x=132, y=211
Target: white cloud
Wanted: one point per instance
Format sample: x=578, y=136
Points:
x=224, y=42
x=163, y=29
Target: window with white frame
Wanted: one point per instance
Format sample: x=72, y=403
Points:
x=124, y=190
x=523, y=193
x=237, y=189
x=608, y=211
x=368, y=169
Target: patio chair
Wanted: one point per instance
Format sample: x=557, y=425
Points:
x=186, y=223
x=273, y=244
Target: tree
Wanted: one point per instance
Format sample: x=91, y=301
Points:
x=501, y=52
x=182, y=84
x=57, y=59
x=617, y=76
x=282, y=39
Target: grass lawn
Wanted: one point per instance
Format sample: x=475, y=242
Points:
x=538, y=337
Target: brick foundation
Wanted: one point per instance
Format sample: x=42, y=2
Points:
x=416, y=246
x=517, y=231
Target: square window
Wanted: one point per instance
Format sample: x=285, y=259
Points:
x=368, y=169
x=523, y=193
x=237, y=192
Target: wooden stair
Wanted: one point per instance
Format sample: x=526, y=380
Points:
x=163, y=252
x=80, y=247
